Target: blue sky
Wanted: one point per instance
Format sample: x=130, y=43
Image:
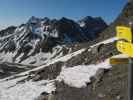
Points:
x=15, y=12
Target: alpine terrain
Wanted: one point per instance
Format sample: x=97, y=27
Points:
x=63, y=59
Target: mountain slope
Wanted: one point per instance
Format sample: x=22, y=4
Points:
x=41, y=39
x=74, y=70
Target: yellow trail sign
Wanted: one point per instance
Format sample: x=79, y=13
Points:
x=114, y=61
x=124, y=33
x=125, y=48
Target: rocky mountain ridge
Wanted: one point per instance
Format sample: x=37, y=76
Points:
x=39, y=36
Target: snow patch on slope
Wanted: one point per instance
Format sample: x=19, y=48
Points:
x=37, y=60
x=110, y=40
x=80, y=75
x=11, y=90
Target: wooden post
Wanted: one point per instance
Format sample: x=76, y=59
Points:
x=130, y=79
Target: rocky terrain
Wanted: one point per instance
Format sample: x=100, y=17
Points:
x=46, y=59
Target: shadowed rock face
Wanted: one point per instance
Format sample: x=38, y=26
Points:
x=92, y=27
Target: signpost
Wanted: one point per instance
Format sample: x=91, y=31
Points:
x=125, y=46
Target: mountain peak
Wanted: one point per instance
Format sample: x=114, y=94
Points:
x=33, y=19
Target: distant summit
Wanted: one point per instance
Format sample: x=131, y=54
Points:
x=93, y=26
